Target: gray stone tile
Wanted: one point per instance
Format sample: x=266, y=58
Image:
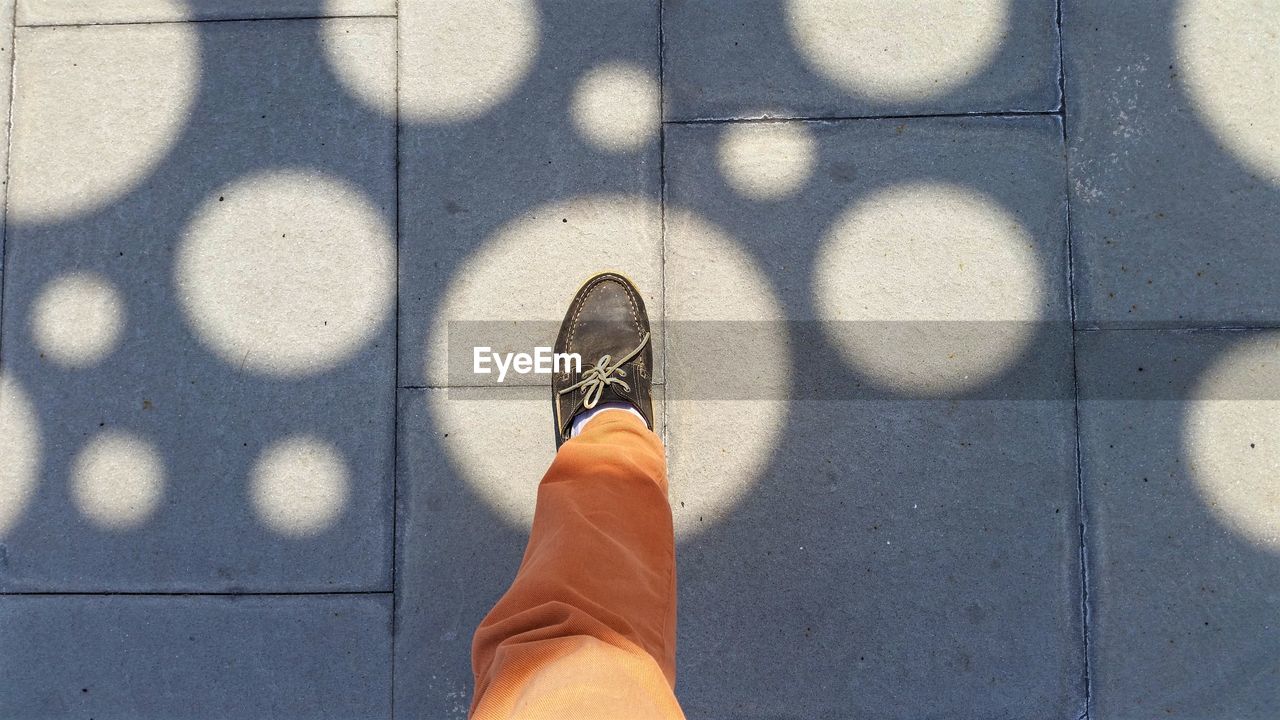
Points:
x=199, y=309
x=73, y=12
x=456, y=552
x=469, y=465
x=816, y=58
x=1175, y=181
x=913, y=542
x=129, y=657
x=1178, y=447
x=919, y=557
x=516, y=186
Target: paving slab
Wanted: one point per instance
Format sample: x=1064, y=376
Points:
x=516, y=184
x=1175, y=183
x=73, y=12
x=892, y=559
x=470, y=462
x=1177, y=443
x=456, y=552
x=851, y=522
x=199, y=309
x=127, y=657
x=825, y=58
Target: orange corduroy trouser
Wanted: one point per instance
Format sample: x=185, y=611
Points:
x=587, y=628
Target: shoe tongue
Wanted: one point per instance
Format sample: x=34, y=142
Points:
x=615, y=393
x=612, y=393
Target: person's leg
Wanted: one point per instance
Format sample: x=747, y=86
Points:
x=587, y=628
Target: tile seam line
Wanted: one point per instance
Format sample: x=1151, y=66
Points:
x=1180, y=328
x=1082, y=528
x=196, y=21
x=662, y=203
x=395, y=381
x=845, y=118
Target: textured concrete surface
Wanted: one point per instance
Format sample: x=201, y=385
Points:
x=826, y=58
x=966, y=416
x=1182, y=579
x=207, y=410
x=195, y=657
x=860, y=510
x=1169, y=225
x=922, y=562
x=503, y=217
x=445, y=465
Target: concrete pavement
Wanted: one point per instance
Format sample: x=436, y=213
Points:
x=999, y=276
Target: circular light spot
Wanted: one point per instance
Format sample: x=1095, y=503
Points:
x=517, y=285
x=286, y=273
x=891, y=50
x=714, y=290
x=20, y=450
x=491, y=440
x=299, y=486
x=133, y=87
x=616, y=107
x=460, y=58
x=1230, y=51
x=117, y=480
x=76, y=319
x=928, y=287
x=728, y=369
x=1231, y=432
x=362, y=53
x=531, y=267
x=767, y=160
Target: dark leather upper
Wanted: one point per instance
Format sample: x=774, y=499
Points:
x=607, y=317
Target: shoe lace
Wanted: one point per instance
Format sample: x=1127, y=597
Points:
x=603, y=374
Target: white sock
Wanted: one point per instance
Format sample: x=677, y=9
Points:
x=584, y=418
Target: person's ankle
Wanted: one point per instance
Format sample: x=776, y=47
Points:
x=587, y=416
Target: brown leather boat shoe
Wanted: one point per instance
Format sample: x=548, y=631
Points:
x=607, y=326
